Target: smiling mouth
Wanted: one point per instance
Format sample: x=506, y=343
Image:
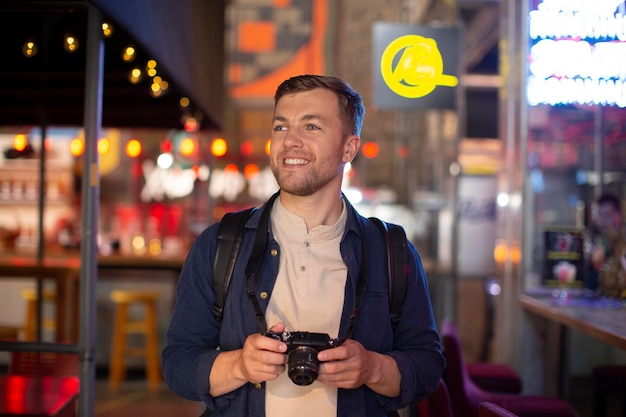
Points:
x=295, y=161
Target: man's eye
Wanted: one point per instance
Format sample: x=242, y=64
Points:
x=280, y=128
x=312, y=127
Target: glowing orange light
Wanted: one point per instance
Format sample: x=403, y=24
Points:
x=246, y=148
x=370, y=150
x=503, y=253
x=231, y=169
x=187, y=146
x=104, y=146
x=133, y=148
x=219, y=147
x=77, y=147
x=403, y=152
x=19, y=142
x=268, y=144
x=516, y=254
x=47, y=144
x=500, y=253
x=250, y=171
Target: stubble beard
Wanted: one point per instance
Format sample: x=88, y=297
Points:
x=299, y=184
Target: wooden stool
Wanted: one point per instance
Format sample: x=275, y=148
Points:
x=123, y=326
x=30, y=322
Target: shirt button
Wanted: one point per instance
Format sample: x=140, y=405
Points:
x=263, y=295
x=258, y=386
x=274, y=252
x=306, y=244
x=303, y=268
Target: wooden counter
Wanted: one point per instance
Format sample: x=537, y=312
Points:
x=547, y=352
x=64, y=271
x=601, y=318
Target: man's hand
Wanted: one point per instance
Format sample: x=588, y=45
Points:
x=351, y=365
x=261, y=359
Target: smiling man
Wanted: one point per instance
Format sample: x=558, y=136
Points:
x=315, y=281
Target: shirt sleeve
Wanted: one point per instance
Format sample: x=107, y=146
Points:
x=417, y=347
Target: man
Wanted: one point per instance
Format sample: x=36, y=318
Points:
x=609, y=223
x=319, y=252
x=608, y=254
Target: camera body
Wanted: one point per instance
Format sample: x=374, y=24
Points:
x=302, y=349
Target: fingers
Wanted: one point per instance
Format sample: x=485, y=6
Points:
x=277, y=328
x=262, y=358
x=344, y=366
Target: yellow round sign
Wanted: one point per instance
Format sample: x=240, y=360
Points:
x=419, y=68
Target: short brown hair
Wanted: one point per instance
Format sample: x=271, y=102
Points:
x=350, y=102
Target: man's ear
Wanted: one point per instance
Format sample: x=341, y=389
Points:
x=351, y=147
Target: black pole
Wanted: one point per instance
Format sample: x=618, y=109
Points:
x=89, y=204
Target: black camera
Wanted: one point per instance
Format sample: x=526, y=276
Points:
x=302, y=349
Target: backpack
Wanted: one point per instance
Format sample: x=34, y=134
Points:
x=230, y=233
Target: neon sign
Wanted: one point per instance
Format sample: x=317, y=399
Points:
x=419, y=69
x=577, y=53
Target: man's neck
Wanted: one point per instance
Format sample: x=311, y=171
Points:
x=315, y=210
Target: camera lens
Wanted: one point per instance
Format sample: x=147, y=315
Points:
x=303, y=365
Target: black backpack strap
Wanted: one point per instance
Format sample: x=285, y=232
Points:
x=397, y=271
x=229, y=234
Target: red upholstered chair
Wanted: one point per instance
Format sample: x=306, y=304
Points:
x=436, y=404
x=466, y=396
x=608, y=380
x=494, y=377
x=488, y=409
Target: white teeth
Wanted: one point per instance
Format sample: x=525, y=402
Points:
x=291, y=161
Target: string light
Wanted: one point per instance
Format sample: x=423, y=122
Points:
x=104, y=145
x=77, y=147
x=133, y=148
x=70, y=43
x=219, y=147
x=151, y=68
x=29, y=49
x=187, y=147
x=19, y=142
x=135, y=76
x=107, y=29
x=129, y=53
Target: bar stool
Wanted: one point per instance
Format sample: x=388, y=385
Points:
x=123, y=326
x=30, y=322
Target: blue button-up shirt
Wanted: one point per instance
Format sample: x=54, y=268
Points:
x=194, y=338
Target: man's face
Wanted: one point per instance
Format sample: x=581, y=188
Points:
x=308, y=149
x=609, y=217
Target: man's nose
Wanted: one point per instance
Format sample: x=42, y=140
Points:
x=292, y=138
